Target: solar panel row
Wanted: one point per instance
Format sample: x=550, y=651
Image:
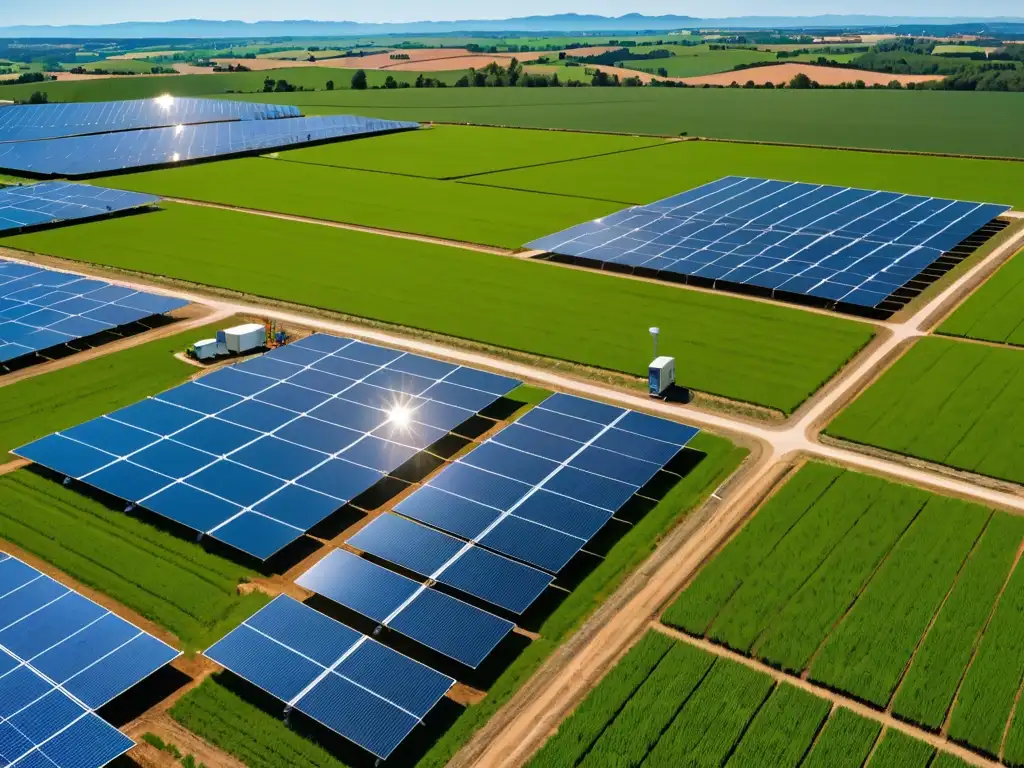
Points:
x=61, y=657
x=49, y=121
x=350, y=683
x=841, y=245
x=111, y=152
x=43, y=308
x=256, y=454
x=35, y=205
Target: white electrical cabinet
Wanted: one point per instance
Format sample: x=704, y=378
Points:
x=205, y=349
x=661, y=375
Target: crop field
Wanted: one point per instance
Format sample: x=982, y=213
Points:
x=667, y=703
x=918, y=121
x=946, y=401
x=994, y=312
x=65, y=397
x=693, y=61
x=894, y=596
x=169, y=580
x=751, y=351
x=450, y=152
x=444, y=209
x=657, y=172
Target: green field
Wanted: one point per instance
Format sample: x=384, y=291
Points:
x=693, y=61
x=667, y=703
x=994, y=312
x=125, y=66
x=947, y=401
x=173, y=582
x=50, y=402
x=444, y=209
x=658, y=172
x=448, y=152
x=760, y=353
x=880, y=591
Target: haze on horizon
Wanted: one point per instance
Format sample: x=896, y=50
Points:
x=65, y=12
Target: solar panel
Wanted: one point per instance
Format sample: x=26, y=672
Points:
x=49, y=121
x=35, y=205
x=355, y=686
x=452, y=562
x=62, y=656
x=110, y=152
x=42, y=308
x=438, y=621
x=837, y=244
x=256, y=454
x=540, y=488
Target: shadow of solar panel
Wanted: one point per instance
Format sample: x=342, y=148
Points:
x=250, y=456
x=360, y=689
x=153, y=147
x=49, y=121
x=837, y=244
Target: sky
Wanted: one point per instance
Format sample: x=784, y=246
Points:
x=60, y=12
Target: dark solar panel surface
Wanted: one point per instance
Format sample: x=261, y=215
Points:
x=34, y=205
x=256, y=454
x=438, y=621
x=837, y=244
x=368, y=693
x=42, y=308
x=540, y=488
x=110, y=152
x=61, y=657
x=49, y=121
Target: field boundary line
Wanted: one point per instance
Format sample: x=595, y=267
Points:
x=864, y=710
x=397, y=234
x=545, y=192
x=667, y=142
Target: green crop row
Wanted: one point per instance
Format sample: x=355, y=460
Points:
x=783, y=730
x=897, y=750
x=869, y=651
x=994, y=312
x=844, y=742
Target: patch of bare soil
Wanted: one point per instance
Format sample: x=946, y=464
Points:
x=783, y=73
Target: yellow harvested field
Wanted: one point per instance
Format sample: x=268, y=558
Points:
x=783, y=73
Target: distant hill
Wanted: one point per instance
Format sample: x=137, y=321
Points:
x=561, y=23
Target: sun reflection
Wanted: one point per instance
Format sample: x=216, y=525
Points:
x=176, y=157
x=166, y=101
x=400, y=416
x=179, y=129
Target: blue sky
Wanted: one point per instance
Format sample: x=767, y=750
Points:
x=108, y=11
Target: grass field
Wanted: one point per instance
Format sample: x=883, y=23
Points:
x=693, y=61
x=920, y=121
x=491, y=216
x=63, y=398
x=947, y=401
x=667, y=703
x=720, y=460
x=657, y=172
x=169, y=580
x=764, y=354
x=880, y=591
x=994, y=312
x=448, y=152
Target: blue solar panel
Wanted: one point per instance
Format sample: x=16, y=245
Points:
x=49, y=121
x=364, y=691
x=438, y=621
x=540, y=488
x=842, y=245
x=43, y=308
x=34, y=205
x=250, y=456
x=61, y=657
x=112, y=152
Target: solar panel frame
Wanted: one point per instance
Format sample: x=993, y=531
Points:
x=350, y=665
x=52, y=202
x=211, y=455
x=839, y=245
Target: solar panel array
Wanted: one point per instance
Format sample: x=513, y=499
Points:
x=836, y=244
x=62, y=656
x=256, y=454
x=51, y=202
x=50, y=121
x=43, y=308
x=111, y=152
x=368, y=693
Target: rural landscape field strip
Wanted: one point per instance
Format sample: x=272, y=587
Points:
x=845, y=741
x=946, y=401
x=66, y=397
x=782, y=731
x=897, y=750
x=750, y=351
x=994, y=312
x=927, y=691
x=169, y=580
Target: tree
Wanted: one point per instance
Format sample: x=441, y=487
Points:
x=421, y=81
x=462, y=82
x=268, y=85
x=895, y=85
x=662, y=72
x=859, y=84
x=750, y=84
x=330, y=85
x=359, y=80
x=515, y=71
x=390, y=83
x=800, y=80
x=38, y=97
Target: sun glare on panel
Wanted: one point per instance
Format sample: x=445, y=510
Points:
x=166, y=101
x=400, y=416
x=179, y=129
